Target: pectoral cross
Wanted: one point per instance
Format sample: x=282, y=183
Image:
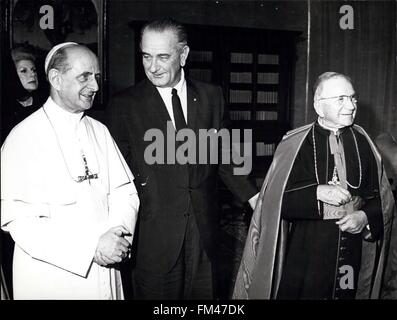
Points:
x=335, y=180
x=88, y=175
x=339, y=173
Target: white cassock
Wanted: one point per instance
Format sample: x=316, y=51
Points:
x=55, y=221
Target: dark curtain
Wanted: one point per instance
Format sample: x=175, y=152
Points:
x=366, y=53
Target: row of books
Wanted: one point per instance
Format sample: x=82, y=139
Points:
x=200, y=56
x=246, y=77
x=266, y=115
x=267, y=78
x=240, y=96
x=240, y=115
x=237, y=115
x=244, y=57
x=245, y=96
x=240, y=57
x=267, y=58
x=265, y=149
x=267, y=97
x=235, y=77
x=201, y=74
x=241, y=77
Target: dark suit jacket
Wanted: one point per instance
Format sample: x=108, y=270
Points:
x=167, y=190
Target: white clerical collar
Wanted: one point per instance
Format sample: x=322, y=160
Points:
x=321, y=123
x=71, y=135
x=60, y=115
x=179, y=86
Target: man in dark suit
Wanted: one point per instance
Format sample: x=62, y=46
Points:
x=176, y=241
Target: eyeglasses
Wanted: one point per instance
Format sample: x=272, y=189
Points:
x=342, y=99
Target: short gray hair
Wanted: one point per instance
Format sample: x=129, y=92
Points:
x=164, y=25
x=57, y=58
x=318, y=85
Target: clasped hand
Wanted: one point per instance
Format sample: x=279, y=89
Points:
x=334, y=195
x=112, y=247
x=353, y=222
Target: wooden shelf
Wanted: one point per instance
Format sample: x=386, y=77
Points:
x=268, y=68
x=267, y=87
x=240, y=67
x=199, y=65
x=240, y=86
x=240, y=106
x=266, y=107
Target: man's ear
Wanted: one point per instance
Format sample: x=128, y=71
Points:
x=184, y=54
x=319, y=107
x=54, y=78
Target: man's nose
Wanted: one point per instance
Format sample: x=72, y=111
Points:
x=153, y=65
x=94, y=84
x=349, y=103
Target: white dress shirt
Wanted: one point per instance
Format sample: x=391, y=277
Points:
x=166, y=95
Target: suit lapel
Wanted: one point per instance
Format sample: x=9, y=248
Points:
x=193, y=104
x=155, y=107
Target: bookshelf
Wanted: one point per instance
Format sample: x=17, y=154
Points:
x=255, y=68
x=258, y=71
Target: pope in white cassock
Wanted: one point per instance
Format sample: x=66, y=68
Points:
x=67, y=196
